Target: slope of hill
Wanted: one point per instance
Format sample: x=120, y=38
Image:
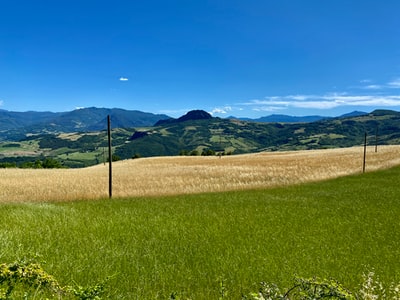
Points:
x=10, y=120
x=234, y=136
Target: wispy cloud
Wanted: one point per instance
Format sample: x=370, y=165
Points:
x=1, y=102
x=270, y=109
x=221, y=110
x=373, y=87
x=326, y=101
x=368, y=84
x=394, y=83
x=366, y=100
x=123, y=79
x=368, y=94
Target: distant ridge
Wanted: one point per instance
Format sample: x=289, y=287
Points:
x=288, y=119
x=10, y=120
x=279, y=118
x=79, y=120
x=355, y=113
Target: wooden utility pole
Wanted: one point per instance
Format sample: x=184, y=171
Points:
x=109, y=157
x=376, y=139
x=365, y=151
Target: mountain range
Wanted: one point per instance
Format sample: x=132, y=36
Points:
x=279, y=118
x=78, y=138
x=199, y=132
x=15, y=125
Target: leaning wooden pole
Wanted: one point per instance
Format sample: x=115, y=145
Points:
x=109, y=157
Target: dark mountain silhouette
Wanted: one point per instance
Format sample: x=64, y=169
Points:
x=190, y=116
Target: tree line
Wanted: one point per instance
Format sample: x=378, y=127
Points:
x=46, y=163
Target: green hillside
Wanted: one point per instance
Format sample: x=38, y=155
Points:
x=235, y=137
x=205, y=135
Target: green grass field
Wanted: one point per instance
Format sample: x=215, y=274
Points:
x=187, y=244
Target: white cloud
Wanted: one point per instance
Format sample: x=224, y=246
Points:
x=269, y=108
x=1, y=102
x=218, y=111
x=369, y=85
x=123, y=79
x=270, y=101
x=373, y=87
x=371, y=100
x=316, y=104
x=299, y=97
x=394, y=83
x=369, y=95
x=221, y=110
x=327, y=101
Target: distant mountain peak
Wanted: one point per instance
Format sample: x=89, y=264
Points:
x=190, y=116
x=195, y=115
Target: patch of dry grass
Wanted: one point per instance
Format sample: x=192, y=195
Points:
x=191, y=174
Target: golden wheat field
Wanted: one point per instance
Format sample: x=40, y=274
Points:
x=191, y=174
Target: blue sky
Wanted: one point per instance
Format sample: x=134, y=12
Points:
x=240, y=58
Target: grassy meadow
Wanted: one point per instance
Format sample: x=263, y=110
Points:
x=152, y=246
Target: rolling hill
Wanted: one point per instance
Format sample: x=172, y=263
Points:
x=196, y=136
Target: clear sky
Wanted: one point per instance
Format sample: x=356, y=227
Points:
x=246, y=58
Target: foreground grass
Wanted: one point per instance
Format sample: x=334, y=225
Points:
x=188, y=244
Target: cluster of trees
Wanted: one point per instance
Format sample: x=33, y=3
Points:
x=85, y=143
x=204, y=152
x=47, y=163
x=5, y=165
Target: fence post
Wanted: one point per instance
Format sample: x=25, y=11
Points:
x=365, y=151
x=109, y=157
